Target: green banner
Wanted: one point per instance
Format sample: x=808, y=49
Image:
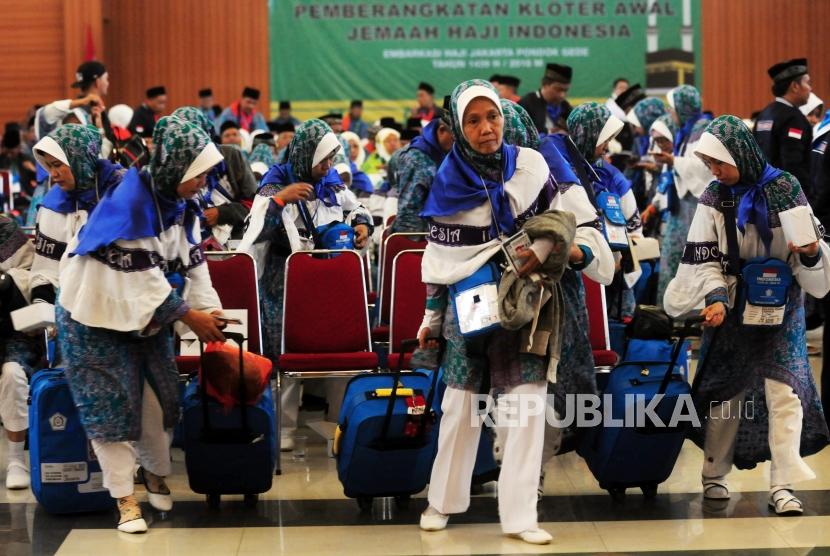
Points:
x=326, y=52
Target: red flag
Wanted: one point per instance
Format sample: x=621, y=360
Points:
x=89, y=47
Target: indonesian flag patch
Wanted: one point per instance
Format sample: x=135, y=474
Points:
x=794, y=133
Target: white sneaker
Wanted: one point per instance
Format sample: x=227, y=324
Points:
x=433, y=520
x=534, y=536
x=17, y=476
x=286, y=443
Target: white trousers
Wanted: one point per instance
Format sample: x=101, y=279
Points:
x=14, y=393
x=291, y=391
x=785, y=421
x=118, y=459
x=458, y=438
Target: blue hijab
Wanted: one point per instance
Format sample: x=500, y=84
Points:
x=67, y=202
x=559, y=166
x=753, y=206
x=458, y=187
x=428, y=144
x=325, y=189
x=610, y=179
x=128, y=212
x=360, y=181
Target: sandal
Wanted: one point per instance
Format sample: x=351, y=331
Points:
x=715, y=488
x=784, y=502
x=131, y=520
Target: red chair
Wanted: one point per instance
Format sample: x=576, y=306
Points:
x=392, y=245
x=234, y=278
x=371, y=294
x=407, y=306
x=598, y=333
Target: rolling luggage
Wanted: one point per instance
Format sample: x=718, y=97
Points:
x=636, y=452
x=387, y=437
x=229, y=452
x=66, y=477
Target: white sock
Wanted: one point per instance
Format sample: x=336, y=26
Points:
x=16, y=452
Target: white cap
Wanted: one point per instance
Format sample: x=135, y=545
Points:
x=207, y=159
x=713, y=148
x=813, y=102
x=611, y=129
x=328, y=144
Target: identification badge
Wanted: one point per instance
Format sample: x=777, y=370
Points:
x=476, y=301
x=515, y=247
x=613, y=221
x=766, y=284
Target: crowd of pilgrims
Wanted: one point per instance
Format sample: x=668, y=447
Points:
x=581, y=181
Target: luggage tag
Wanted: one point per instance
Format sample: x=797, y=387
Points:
x=613, y=220
x=766, y=284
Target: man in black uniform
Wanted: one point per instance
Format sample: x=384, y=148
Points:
x=782, y=131
x=547, y=105
x=145, y=116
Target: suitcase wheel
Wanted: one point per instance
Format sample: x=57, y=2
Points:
x=649, y=491
x=365, y=503
x=617, y=494
x=251, y=500
x=213, y=500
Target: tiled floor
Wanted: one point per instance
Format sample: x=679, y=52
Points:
x=305, y=512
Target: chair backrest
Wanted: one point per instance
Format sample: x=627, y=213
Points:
x=393, y=245
x=408, y=298
x=233, y=275
x=597, y=314
x=324, y=304
x=367, y=270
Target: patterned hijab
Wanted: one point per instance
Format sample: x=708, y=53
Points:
x=687, y=103
x=262, y=153
x=177, y=144
x=585, y=124
x=195, y=116
x=301, y=148
x=738, y=140
x=648, y=110
x=519, y=129
x=668, y=121
x=81, y=144
x=488, y=165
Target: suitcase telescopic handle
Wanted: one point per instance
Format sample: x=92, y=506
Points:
x=685, y=332
x=408, y=346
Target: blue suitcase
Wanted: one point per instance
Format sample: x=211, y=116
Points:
x=375, y=454
x=229, y=452
x=622, y=457
x=66, y=477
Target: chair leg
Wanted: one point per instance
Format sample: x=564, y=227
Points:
x=278, y=422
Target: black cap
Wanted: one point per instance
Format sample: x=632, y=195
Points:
x=789, y=69
x=157, y=91
x=390, y=122
x=250, y=92
x=496, y=78
x=356, y=104
x=285, y=105
x=331, y=116
x=561, y=74
x=280, y=127
x=409, y=134
x=228, y=124
x=447, y=103
x=88, y=72
x=631, y=96
x=413, y=123
x=204, y=93
x=424, y=86
x=11, y=138
x=267, y=138
x=510, y=81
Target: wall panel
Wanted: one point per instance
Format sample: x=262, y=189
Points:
x=186, y=45
x=742, y=38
